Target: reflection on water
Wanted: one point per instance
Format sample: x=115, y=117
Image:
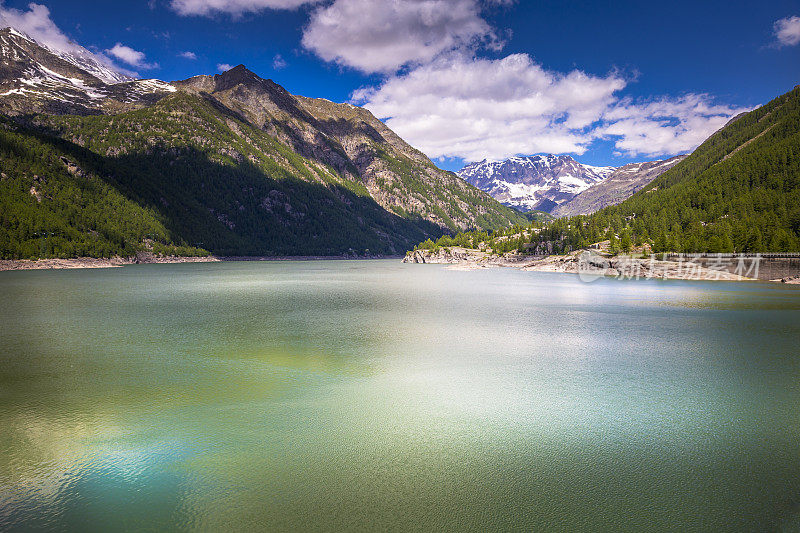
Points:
x=332, y=395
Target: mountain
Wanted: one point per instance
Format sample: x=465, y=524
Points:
x=618, y=186
x=36, y=79
x=16, y=45
x=231, y=163
x=539, y=182
x=739, y=191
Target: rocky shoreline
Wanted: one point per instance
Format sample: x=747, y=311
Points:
x=145, y=258
x=587, y=264
x=93, y=262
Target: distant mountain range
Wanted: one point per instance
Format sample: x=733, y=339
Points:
x=558, y=184
x=738, y=192
x=230, y=163
x=539, y=182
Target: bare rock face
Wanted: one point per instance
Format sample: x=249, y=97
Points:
x=446, y=255
x=143, y=257
x=618, y=187
x=414, y=257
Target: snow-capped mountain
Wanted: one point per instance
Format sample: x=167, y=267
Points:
x=37, y=79
x=536, y=182
x=85, y=60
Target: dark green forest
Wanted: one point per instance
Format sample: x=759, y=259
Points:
x=48, y=211
x=738, y=192
x=186, y=177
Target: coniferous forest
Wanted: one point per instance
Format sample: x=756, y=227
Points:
x=738, y=192
x=185, y=177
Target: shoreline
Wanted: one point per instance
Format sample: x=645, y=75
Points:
x=458, y=259
x=95, y=262
x=305, y=257
x=588, y=266
x=115, y=262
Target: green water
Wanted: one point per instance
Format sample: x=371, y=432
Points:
x=376, y=395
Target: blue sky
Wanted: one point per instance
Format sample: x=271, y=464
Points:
x=608, y=82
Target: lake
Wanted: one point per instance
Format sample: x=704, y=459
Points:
x=338, y=395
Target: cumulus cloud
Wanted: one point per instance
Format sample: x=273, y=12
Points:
x=232, y=7
x=383, y=36
x=278, y=62
x=130, y=56
x=787, y=31
x=188, y=55
x=461, y=106
x=222, y=67
x=665, y=126
x=36, y=23
x=444, y=99
x=458, y=106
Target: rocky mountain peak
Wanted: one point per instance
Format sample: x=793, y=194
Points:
x=22, y=57
x=250, y=92
x=37, y=79
x=238, y=75
x=534, y=182
x=17, y=46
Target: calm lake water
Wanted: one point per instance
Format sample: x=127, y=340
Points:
x=376, y=395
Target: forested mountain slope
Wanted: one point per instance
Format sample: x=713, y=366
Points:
x=229, y=163
x=737, y=192
x=56, y=201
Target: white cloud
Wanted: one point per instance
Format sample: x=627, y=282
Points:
x=188, y=55
x=460, y=106
x=787, y=31
x=278, y=62
x=233, y=7
x=36, y=22
x=383, y=36
x=130, y=56
x=665, y=126
x=222, y=67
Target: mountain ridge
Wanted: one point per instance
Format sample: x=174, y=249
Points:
x=621, y=184
x=36, y=79
x=539, y=182
x=230, y=162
